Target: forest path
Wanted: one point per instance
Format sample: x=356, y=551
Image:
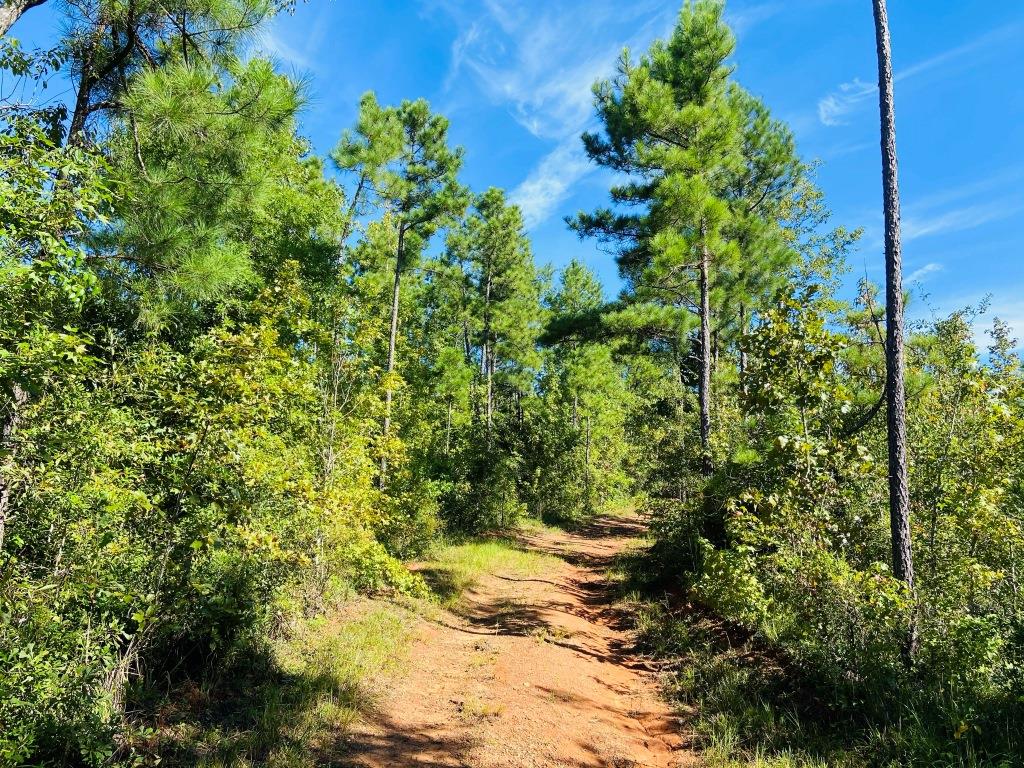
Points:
x=529, y=673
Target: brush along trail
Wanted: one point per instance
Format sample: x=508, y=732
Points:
x=528, y=672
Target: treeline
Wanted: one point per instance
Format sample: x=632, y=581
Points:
x=770, y=497
x=234, y=385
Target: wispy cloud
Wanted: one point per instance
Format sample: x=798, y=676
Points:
x=549, y=183
x=272, y=44
x=918, y=275
x=531, y=64
x=836, y=107
x=956, y=208
x=833, y=109
x=930, y=223
x=743, y=18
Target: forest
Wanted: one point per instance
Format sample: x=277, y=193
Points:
x=243, y=386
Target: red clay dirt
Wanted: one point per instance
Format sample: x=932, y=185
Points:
x=529, y=673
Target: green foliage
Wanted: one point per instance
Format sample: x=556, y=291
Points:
x=232, y=390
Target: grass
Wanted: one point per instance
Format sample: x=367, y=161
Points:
x=474, y=709
x=290, y=708
x=292, y=704
x=453, y=569
x=746, y=708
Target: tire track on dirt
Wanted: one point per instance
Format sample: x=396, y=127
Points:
x=529, y=673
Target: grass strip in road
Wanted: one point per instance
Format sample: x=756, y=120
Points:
x=453, y=569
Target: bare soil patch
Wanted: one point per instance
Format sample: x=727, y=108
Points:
x=528, y=672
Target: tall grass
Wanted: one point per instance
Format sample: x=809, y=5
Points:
x=290, y=707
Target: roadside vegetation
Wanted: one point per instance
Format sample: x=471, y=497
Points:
x=244, y=388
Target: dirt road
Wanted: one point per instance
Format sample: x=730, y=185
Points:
x=528, y=673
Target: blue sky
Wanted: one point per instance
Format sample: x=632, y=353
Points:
x=514, y=77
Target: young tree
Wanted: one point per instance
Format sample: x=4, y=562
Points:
x=711, y=180
x=498, y=262
x=899, y=489
x=669, y=124
x=402, y=153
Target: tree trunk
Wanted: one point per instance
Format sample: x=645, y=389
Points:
x=392, y=343
x=743, y=354
x=586, y=462
x=704, y=387
x=448, y=430
x=899, y=493
x=487, y=358
x=7, y=430
x=86, y=81
x=490, y=395
x=12, y=10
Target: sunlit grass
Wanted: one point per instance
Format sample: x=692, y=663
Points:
x=295, y=711
x=453, y=569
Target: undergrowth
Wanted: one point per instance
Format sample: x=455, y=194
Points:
x=747, y=704
x=289, y=706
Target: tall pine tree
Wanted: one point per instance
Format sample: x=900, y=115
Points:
x=402, y=154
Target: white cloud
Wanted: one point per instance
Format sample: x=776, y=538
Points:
x=956, y=208
x=550, y=182
x=530, y=62
x=919, y=274
x=270, y=43
x=744, y=18
x=927, y=223
x=834, y=108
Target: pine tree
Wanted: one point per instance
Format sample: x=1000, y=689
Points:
x=109, y=42
x=500, y=266
x=669, y=124
x=899, y=489
x=199, y=154
x=402, y=154
x=712, y=179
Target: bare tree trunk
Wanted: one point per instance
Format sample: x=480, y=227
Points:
x=7, y=430
x=487, y=360
x=586, y=461
x=448, y=430
x=743, y=354
x=899, y=492
x=704, y=387
x=12, y=10
x=392, y=343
